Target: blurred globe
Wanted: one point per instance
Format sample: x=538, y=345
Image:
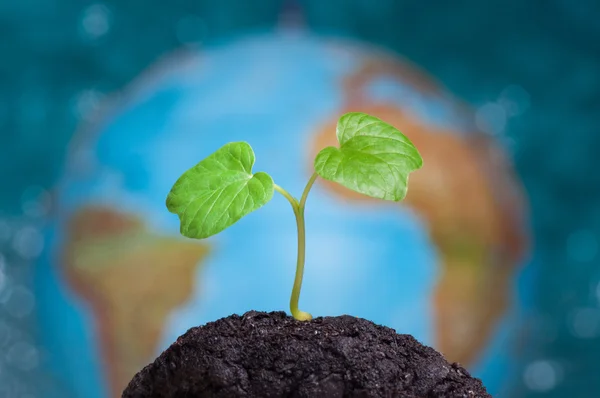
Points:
x=118, y=283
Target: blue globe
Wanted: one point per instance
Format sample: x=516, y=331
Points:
x=125, y=284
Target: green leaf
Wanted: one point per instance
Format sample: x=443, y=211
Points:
x=374, y=158
x=218, y=191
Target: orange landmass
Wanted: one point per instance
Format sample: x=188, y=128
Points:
x=132, y=279
x=472, y=205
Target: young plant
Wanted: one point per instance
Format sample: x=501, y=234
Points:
x=373, y=158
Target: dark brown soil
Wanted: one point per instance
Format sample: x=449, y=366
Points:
x=272, y=355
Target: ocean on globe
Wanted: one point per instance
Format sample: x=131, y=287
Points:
x=118, y=282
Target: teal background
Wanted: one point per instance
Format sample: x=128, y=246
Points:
x=60, y=57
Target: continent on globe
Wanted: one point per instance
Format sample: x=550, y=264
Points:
x=132, y=279
x=466, y=195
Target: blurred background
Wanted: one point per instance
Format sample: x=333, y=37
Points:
x=493, y=258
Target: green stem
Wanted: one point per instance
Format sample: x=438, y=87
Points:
x=309, y=185
x=298, y=209
x=287, y=195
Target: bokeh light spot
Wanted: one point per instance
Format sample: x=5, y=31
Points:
x=584, y=323
x=87, y=103
x=35, y=202
x=23, y=356
x=19, y=302
x=542, y=375
x=491, y=118
x=28, y=242
x=515, y=100
x=95, y=21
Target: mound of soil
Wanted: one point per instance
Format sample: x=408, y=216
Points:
x=272, y=355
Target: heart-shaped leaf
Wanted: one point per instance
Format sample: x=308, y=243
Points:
x=374, y=158
x=218, y=191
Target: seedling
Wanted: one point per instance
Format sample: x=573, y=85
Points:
x=373, y=158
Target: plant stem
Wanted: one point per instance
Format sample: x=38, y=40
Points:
x=309, y=185
x=298, y=209
x=287, y=195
